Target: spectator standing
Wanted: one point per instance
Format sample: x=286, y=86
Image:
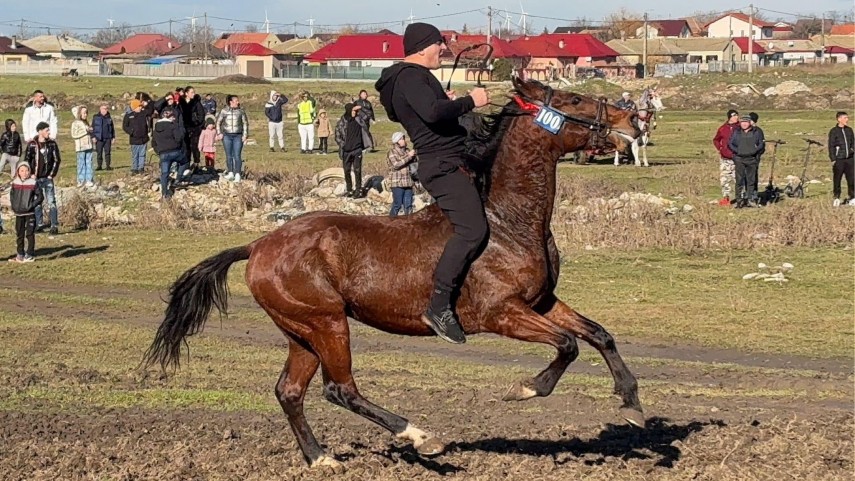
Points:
x=84, y=145
x=37, y=111
x=210, y=105
x=841, y=151
x=306, y=123
x=208, y=143
x=167, y=140
x=366, y=112
x=11, y=146
x=755, y=118
x=324, y=129
x=233, y=129
x=136, y=125
x=104, y=132
x=400, y=158
x=275, y=124
x=747, y=144
x=193, y=114
x=726, y=169
x=42, y=155
x=349, y=138
x=25, y=196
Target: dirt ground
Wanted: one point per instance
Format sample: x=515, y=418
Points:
x=562, y=437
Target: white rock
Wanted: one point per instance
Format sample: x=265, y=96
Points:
x=814, y=181
x=155, y=187
x=761, y=276
x=762, y=266
x=787, y=267
x=340, y=190
x=775, y=279
x=748, y=277
x=688, y=208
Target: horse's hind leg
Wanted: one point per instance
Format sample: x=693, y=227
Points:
x=301, y=366
x=522, y=323
x=594, y=334
x=340, y=389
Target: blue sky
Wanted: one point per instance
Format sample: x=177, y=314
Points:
x=94, y=13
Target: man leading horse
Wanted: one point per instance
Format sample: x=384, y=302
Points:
x=413, y=96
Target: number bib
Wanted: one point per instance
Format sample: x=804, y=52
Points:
x=549, y=119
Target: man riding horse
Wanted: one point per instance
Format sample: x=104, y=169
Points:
x=413, y=96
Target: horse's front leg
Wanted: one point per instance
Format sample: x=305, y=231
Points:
x=594, y=334
x=522, y=322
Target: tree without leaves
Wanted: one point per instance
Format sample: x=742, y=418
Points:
x=250, y=28
x=620, y=22
x=105, y=37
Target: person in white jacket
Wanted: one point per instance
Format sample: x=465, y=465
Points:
x=39, y=111
x=84, y=145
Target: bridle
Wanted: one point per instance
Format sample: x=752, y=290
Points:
x=599, y=125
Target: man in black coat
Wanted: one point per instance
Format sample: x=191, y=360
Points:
x=167, y=139
x=193, y=115
x=747, y=144
x=841, y=151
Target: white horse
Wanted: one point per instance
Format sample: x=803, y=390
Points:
x=648, y=105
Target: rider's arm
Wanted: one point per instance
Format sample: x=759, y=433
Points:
x=415, y=88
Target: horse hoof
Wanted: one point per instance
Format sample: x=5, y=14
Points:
x=633, y=416
x=327, y=462
x=431, y=447
x=519, y=392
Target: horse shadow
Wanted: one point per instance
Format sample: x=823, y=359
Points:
x=66, y=251
x=615, y=441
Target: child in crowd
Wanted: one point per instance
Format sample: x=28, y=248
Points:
x=84, y=144
x=11, y=147
x=208, y=142
x=400, y=159
x=25, y=196
x=324, y=129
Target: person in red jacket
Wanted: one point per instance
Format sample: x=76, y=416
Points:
x=726, y=167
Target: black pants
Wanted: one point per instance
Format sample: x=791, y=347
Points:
x=352, y=162
x=457, y=196
x=322, y=145
x=25, y=226
x=191, y=146
x=746, y=172
x=104, y=150
x=844, y=167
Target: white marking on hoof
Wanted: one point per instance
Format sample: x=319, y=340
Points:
x=519, y=392
x=414, y=434
x=326, y=461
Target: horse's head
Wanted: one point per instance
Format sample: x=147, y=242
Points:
x=587, y=122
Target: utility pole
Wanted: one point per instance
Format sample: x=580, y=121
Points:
x=170, y=28
x=206, y=39
x=21, y=35
x=644, y=55
x=295, y=29
x=489, y=24
x=822, y=41
x=750, y=39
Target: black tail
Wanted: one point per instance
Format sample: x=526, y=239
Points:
x=191, y=298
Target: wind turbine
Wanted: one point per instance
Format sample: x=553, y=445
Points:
x=523, y=20
x=411, y=17
x=311, y=27
x=266, y=22
x=192, y=27
x=111, y=29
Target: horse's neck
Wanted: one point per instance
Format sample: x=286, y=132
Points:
x=522, y=189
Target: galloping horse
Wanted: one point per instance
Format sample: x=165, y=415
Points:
x=314, y=272
x=647, y=105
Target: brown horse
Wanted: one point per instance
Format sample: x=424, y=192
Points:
x=314, y=272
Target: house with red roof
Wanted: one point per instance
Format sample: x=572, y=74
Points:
x=665, y=29
x=843, y=29
x=139, y=46
x=358, y=51
x=560, y=55
x=736, y=24
x=13, y=51
x=739, y=47
x=470, y=62
x=269, y=40
x=254, y=60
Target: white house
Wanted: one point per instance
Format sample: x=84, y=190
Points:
x=736, y=25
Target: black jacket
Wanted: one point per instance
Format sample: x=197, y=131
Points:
x=44, y=159
x=11, y=143
x=210, y=106
x=193, y=113
x=168, y=135
x=102, y=127
x=413, y=96
x=273, y=110
x=367, y=110
x=747, y=145
x=135, y=124
x=352, y=131
x=25, y=196
x=841, y=143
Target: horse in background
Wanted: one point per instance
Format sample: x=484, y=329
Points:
x=647, y=106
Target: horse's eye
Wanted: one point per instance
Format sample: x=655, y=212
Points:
x=576, y=100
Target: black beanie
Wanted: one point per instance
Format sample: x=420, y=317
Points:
x=732, y=113
x=754, y=117
x=41, y=126
x=419, y=36
x=347, y=108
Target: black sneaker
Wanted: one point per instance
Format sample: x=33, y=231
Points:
x=272, y=149
x=54, y=231
x=445, y=325
x=109, y=168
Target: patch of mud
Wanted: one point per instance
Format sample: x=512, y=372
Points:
x=240, y=79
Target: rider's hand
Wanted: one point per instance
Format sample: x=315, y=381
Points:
x=480, y=96
x=451, y=95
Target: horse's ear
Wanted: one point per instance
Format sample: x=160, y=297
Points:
x=517, y=83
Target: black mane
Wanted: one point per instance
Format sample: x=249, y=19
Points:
x=485, y=135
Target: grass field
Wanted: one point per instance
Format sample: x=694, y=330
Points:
x=740, y=379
